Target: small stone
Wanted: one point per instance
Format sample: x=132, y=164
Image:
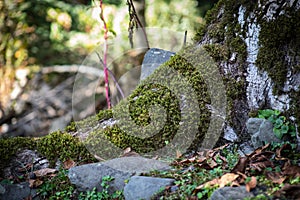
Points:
x=266, y=132
x=230, y=135
x=245, y=149
x=233, y=193
x=143, y=187
x=153, y=59
x=253, y=125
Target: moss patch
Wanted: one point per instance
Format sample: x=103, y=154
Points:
x=137, y=108
x=63, y=146
x=10, y=146
x=279, y=42
x=54, y=146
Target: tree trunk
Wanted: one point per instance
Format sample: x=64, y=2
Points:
x=257, y=47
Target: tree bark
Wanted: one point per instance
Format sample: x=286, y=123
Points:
x=257, y=47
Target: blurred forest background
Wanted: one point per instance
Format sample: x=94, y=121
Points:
x=38, y=34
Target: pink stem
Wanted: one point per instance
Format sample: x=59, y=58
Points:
x=105, y=56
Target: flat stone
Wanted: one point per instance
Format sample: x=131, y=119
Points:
x=143, y=187
x=233, y=193
x=137, y=165
x=153, y=59
x=87, y=177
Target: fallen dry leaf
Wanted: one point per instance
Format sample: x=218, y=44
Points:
x=291, y=170
x=275, y=177
x=68, y=164
x=44, y=172
x=289, y=192
x=241, y=165
x=227, y=178
x=280, y=152
x=251, y=184
x=222, y=182
x=207, y=184
x=34, y=183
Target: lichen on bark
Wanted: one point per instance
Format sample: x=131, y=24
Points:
x=262, y=42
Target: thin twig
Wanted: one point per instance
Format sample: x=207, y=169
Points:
x=105, y=56
x=134, y=16
x=114, y=78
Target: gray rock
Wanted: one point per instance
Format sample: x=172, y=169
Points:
x=2, y=190
x=266, y=133
x=253, y=125
x=256, y=142
x=17, y=191
x=142, y=187
x=137, y=165
x=245, y=149
x=153, y=59
x=261, y=131
x=87, y=177
x=229, y=134
x=233, y=193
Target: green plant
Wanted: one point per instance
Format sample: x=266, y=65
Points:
x=104, y=194
x=281, y=125
x=206, y=192
x=58, y=187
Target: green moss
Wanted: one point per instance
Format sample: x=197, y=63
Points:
x=148, y=94
x=71, y=127
x=279, y=38
x=54, y=146
x=104, y=114
x=63, y=146
x=217, y=51
x=10, y=146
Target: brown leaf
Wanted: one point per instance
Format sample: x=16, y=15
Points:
x=289, y=192
x=28, y=198
x=279, y=152
x=291, y=170
x=223, y=181
x=275, y=177
x=68, y=164
x=259, y=150
x=34, y=183
x=260, y=166
x=227, y=178
x=207, y=184
x=212, y=163
x=241, y=165
x=251, y=184
x=44, y=172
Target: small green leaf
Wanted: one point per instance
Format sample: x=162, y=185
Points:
x=277, y=133
x=284, y=129
x=278, y=123
x=283, y=118
x=277, y=112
